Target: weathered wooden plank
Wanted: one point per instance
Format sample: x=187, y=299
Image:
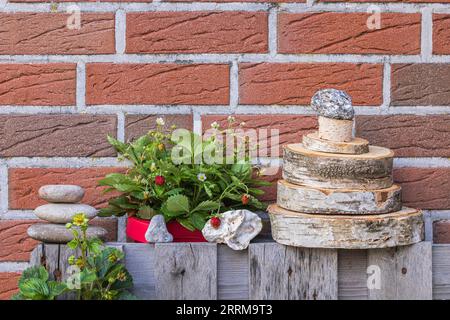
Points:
x=232, y=273
x=281, y=272
x=441, y=271
x=186, y=271
x=404, y=273
x=64, y=254
x=140, y=260
x=352, y=276
x=37, y=256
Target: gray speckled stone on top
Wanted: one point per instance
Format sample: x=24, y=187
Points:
x=64, y=193
x=332, y=103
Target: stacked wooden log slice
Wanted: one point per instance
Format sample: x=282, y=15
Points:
x=337, y=191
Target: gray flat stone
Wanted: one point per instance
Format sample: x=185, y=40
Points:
x=63, y=212
x=64, y=193
x=58, y=233
x=332, y=103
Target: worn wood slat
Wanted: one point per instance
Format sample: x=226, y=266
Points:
x=232, y=274
x=140, y=260
x=289, y=273
x=441, y=271
x=352, y=276
x=186, y=271
x=405, y=272
x=37, y=255
x=64, y=254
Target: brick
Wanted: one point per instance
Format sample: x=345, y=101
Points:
x=197, y=32
x=56, y=135
x=441, y=33
x=375, y=1
x=420, y=84
x=38, y=84
x=197, y=84
x=424, y=188
x=291, y=127
x=24, y=184
x=138, y=125
x=47, y=33
x=348, y=33
x=408, y=135
x=441, y=231
x=272, y=1
x=15, y=243
x=8, y=284
x=296, y=83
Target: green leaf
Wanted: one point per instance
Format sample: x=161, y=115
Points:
x=73, y=244
x=111, y=211
x=126, y=187
x=56, y=288
x=118, y=145
x=242, y=170
x=198, y=221
x=146, y=212
x=87, y=276
x=38, y=272
x=174, y=192
x=256, y=192
x=207, y=205
x=178, y=204
x=113, y=178
x=186, y=223
x=35, y=289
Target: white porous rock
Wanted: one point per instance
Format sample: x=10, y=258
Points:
x=65, y=193
x=157, y=230
x=236, y=230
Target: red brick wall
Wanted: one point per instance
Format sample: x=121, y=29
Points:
x=63, y=90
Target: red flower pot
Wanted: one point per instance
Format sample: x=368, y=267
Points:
x=136, y=229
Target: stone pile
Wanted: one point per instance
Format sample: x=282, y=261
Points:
x=62, y=207
x=337, y=190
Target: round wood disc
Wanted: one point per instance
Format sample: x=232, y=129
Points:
x=356, y=146
x=367, y=171
x=338, y=201
x=394, y=229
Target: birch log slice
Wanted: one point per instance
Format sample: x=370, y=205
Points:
x=297, y=229
x=356, y=146
x=368, y=171
x=338, y=201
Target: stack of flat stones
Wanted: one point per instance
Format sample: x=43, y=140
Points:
x=62, y=207
x=337, y=190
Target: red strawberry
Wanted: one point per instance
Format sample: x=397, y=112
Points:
x=215, y=222
x=159, y=180
x=245, y=198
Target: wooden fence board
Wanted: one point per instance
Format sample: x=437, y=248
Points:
x=232, y=274
x=217, y=272
x=282, y=272
x=441, y=271
x=186, y=271
x=405, y=272
x=140, y=260
x=352, y=276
